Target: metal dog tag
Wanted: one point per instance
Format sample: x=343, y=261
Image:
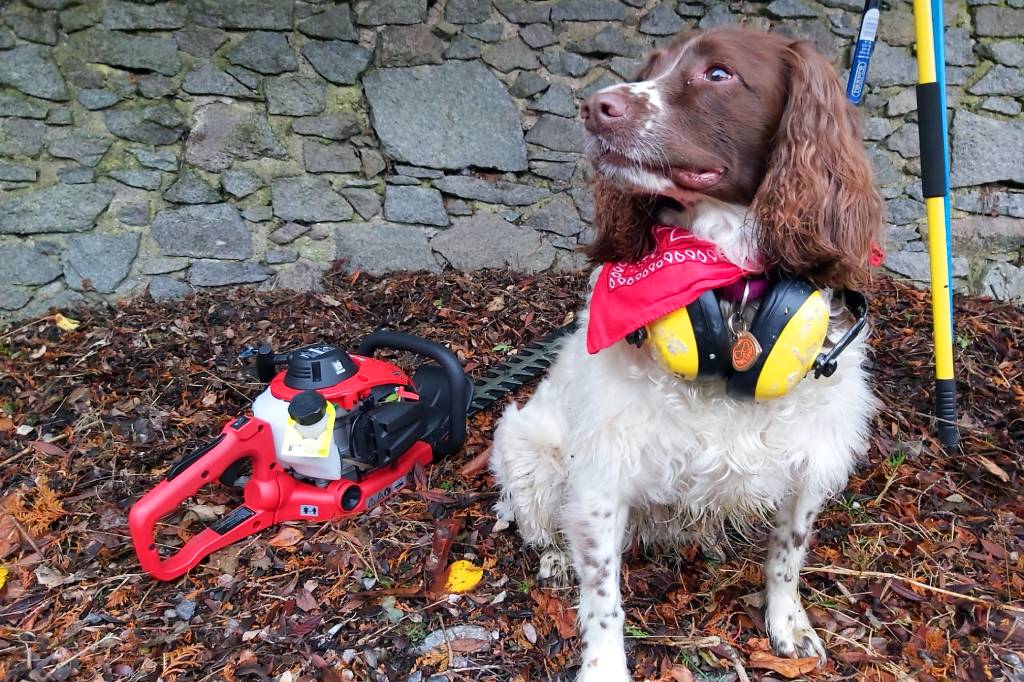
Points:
x=745, y=351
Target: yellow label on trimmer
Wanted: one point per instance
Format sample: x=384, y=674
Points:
x=295, y=445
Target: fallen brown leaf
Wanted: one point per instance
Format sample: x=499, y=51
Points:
x=286, y=537
x=789, y=668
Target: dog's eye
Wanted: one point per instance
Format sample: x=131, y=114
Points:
x=717, y=74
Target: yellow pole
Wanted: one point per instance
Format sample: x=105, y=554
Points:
x=933, y=181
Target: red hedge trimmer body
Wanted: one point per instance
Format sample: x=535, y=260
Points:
x=382, y=424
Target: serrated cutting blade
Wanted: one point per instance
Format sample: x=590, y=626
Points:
x=529, y=363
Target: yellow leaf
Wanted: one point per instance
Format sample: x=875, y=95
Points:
x=66, y=323
x=463, y=576
x=3, y=577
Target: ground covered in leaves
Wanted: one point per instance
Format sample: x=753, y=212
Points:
x=916, y=572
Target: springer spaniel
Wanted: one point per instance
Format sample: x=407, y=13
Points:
x=747, y=140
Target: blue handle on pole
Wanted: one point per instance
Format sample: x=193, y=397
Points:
x=862, y=53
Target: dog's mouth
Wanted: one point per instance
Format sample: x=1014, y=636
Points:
x=636, y=172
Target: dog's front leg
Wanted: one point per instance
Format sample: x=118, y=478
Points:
x=789, y=628
x=594, y=526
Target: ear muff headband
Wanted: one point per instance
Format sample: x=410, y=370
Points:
x=691, y=342
x=791, y=326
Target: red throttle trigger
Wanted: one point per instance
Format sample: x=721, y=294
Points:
x=245, y=437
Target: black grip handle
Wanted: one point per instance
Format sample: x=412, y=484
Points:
x=457, y=384
x=267, y=362
x=945, y=412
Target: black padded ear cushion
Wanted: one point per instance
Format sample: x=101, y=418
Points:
x=774, y=313
x=709, y=330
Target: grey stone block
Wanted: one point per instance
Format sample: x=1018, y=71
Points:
x=524, y=11
x=281, y=256
x=131, y=16
x=136, y=213
x=319, y=157
x=117, y=48
x=209, y=231
x=501, y=192
x=366, y=202
x=486, y=240
x=191, y=188
x=999, y=22
x=1000, y=80
x=27, y=264
x=159, y=124
x=419, y=205
x=411, y=108
x=12, y=104
x=94, y=99
x=59, y=208
x=662, y=20
x=558, y=216
x=30, y=69
x=335, y=23
x=161, y=159
x=379, y=247
x=985, y=150
x=288, y=233
x=265, y=52
x=557, y=100
x=76, y=175
x=99, y=262
x=407, y=46
x=339, y=126
x=273, y=15
x=538, y=35
x=215, y=273
x=239, y=182
x=308, y=199
x=380, y=12
x=336, y=61
x=14, y=298
x=139, y=178
x=200, y=41
x=588, y=10
x=509, y=55
x=294, y=95
x=206, y=79
x=224, y=133
x=467, y=11
x=168, y=289
x=555, y=132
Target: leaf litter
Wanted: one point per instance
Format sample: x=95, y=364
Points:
x=916, y=571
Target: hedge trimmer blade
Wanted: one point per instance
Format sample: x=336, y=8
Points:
x=529, y=363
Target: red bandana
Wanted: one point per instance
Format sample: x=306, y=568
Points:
x=630, y=295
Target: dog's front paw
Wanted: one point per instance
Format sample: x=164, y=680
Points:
x=791, y=633
x=554, y=568
x=603, y=668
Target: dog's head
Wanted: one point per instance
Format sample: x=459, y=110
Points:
x=743, y=117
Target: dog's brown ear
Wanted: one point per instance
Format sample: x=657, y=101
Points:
x=622, y=224
x=817, y=208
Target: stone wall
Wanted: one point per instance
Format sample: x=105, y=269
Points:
x=165, y=146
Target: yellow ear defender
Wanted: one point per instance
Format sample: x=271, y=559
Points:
x=692, y=341
x=788, y=332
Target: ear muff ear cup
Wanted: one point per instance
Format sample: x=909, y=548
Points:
x=791, y=325
x=692, y=341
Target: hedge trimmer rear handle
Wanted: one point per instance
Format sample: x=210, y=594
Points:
x=245, y=437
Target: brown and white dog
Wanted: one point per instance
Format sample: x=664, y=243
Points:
x=747, y=140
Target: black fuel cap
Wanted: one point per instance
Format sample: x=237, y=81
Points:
x=307, y=408
x=318, y=366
